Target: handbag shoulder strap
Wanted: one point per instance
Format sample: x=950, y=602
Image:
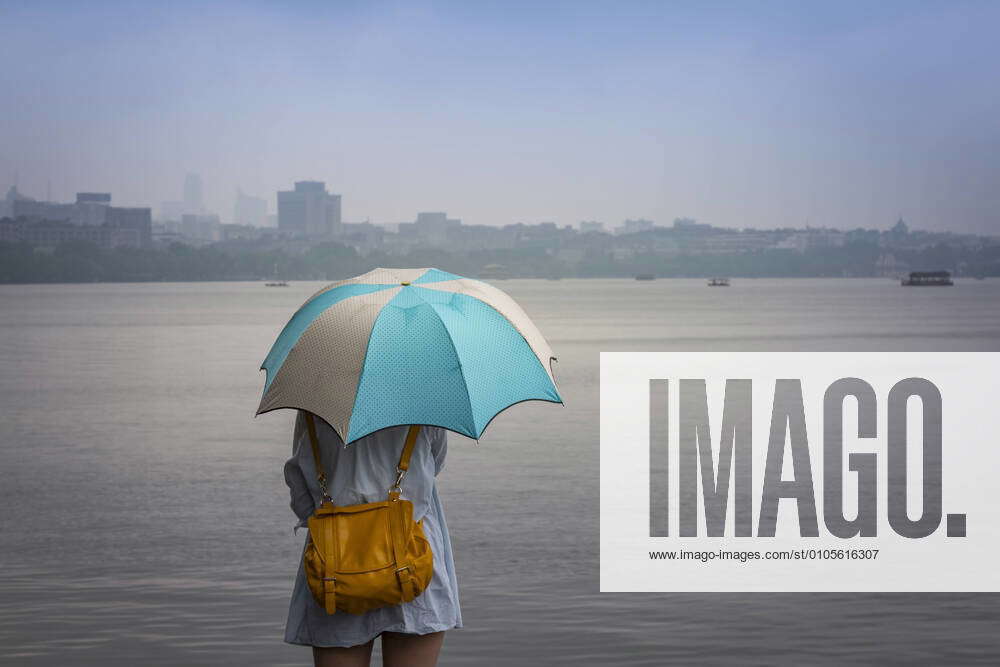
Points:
x=401, y=467
x=317, y=459
x=404, y=461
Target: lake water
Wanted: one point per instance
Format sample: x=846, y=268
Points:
x=144, y=517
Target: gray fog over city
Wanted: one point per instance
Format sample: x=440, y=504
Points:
x=766, y=115
x=180, y=181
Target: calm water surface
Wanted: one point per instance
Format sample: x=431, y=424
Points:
x=143, y=514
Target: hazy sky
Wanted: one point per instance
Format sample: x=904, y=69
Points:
x=738, y=114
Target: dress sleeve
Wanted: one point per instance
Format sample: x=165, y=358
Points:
x=301, y=499
x=439, y=448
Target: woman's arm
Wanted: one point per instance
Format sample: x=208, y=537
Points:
x=301, y=499
x=439, y=448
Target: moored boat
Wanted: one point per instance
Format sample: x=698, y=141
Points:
x=927, y=279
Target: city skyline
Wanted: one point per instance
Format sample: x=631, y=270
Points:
x=780, y=115
x=265, y=217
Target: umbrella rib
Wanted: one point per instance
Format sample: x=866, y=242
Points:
x=473, y=286
x=451, y=341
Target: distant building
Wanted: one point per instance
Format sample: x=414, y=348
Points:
x=249, y=210
x=810, y=238
x=7, y=204
x=91, y=208
x=432, y=222
x=899, y=231
x=691, y=225
x=591, y=226
x=171, y=210
x=165, y=233
x=37, y=232
x=309, y=211
x=135, y=224
x=194, y=195
x=635, y=226
x=201, y=226
x=363, y=237
x=127, y=226
x=236, y=232
x=26, y=207
x=50, y=233
x=192, y=201
x=433, y=228
x=93, y=198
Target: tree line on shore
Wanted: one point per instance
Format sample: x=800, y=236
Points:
x=79, y=261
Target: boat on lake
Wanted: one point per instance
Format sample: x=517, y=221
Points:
x=645, y=276
x=927, y=279
x=718, y=282
x=275, y=281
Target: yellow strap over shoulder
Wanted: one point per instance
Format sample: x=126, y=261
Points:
x=401, y=467
x=317, y=459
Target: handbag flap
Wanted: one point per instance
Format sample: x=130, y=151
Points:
x=356, y=537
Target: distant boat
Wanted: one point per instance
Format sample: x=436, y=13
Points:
x=927, y=279
x=645, y=276
x=276, y=282
x=718, y=282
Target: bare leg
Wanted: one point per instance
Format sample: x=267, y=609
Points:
x=354, y=656
x=405, y=650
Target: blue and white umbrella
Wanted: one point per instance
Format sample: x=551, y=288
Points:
x=408, y=346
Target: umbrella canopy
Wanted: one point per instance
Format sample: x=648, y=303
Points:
x=408, y=346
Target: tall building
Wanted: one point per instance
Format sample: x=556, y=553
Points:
x=591, y=226
x=192, y=201
x=309, y=211
x=193, y=194
x=249, y=210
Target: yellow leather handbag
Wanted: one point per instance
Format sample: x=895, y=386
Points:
x=362, y=557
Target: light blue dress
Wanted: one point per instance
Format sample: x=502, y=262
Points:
x=362, y=472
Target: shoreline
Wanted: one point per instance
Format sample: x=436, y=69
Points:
x=292, y=281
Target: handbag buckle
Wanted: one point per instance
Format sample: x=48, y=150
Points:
x=400, y=474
